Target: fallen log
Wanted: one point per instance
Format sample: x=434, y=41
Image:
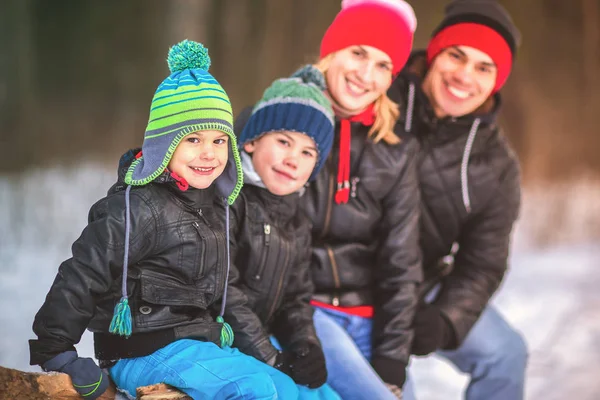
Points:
x=17, y=385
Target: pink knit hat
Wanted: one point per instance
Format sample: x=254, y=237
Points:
x=387, y=25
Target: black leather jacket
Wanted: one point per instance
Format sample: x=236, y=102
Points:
x=269, y=287
x=470, y=199
x=366, y=252
x=177, y=267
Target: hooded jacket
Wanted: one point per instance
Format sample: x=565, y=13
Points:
x=470, y=198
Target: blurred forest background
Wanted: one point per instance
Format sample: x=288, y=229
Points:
x=77, y=78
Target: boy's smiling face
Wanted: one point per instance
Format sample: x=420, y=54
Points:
x=284, y=160
x=201, y=157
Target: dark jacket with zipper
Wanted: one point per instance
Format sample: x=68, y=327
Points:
x=177, y=271
x=470, y=193
x=366, y=252
x=269, y=287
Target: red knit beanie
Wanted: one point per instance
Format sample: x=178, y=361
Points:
x=480, y=37
x=387, y=25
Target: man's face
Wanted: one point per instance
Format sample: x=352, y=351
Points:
x=459, y=80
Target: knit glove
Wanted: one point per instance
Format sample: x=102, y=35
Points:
x=88, y=379
x=392, y=372
x=309, y=365
x=431, y=329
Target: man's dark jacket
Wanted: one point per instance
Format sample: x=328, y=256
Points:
x=470, y=197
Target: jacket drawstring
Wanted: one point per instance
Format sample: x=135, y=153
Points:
x=121, y=320
x=367, y=118
x=226, y=331
x=410, y=107
x=464, y=165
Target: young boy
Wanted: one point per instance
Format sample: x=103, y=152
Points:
x=284, y=144
x=159, y=246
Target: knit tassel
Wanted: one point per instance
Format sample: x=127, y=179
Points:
x=343, y=193
x=121, y=320
x=226, y=333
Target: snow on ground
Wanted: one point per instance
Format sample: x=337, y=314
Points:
x=550, y=293
x=552, y=298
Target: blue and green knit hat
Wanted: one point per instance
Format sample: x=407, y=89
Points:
x=295, y=104
x=189, y=100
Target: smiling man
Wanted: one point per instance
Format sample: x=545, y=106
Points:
x=470, y=194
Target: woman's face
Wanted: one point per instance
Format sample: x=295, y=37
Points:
x=356, y=77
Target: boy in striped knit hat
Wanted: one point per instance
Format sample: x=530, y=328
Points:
x=284, y=144
x=157, y=244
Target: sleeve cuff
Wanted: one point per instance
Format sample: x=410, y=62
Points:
x=58, y=362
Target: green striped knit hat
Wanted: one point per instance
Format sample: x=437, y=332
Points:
x=188, y=101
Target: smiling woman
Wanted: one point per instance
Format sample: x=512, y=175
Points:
x=364, y=206
x=356, y=77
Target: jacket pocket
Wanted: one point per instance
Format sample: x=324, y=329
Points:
x=161, y=289
x=165, y=302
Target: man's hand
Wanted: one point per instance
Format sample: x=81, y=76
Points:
x=432, y=330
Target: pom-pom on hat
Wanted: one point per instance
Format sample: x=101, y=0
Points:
x=295, y=104
x=189, y=100
x=387, y=25
x=482, y=24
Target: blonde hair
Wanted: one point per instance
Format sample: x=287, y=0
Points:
x=386, y=111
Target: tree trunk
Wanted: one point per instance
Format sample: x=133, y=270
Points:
x=16, y=384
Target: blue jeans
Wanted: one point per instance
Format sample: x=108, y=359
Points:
x=204, y=371
x=494, y=355
x=346, y=341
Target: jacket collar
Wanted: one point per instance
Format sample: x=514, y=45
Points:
x=280, y=208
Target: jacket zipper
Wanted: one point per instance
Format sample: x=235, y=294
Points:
x=203, y=217
x=281, y=279
x=329, y=201
x=263, y=258
x=196, y=226
x=336, y=277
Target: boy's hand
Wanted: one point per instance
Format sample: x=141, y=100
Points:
x=284, y=361
x=309, y=366
x=88, y=379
